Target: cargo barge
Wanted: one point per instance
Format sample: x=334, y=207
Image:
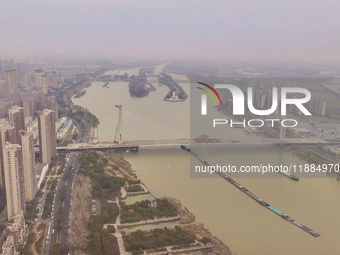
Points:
x=256, y=198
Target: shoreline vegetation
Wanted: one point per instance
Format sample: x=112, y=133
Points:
x=104, y=178
x=139, y=86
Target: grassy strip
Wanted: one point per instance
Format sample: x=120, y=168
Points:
x=48, y=205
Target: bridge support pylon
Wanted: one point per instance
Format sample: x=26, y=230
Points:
x=118, y=135
x=95, y=138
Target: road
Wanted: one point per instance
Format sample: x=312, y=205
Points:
x=80, y=127
x=67, y=205
x=74, y=161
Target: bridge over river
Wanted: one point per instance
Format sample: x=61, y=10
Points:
x=134, y=145
x=158, y=135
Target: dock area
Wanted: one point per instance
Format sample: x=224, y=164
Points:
x=256, y=198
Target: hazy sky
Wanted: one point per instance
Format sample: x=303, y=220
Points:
x=286, y=30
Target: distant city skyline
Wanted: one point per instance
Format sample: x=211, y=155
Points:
x=286, y=31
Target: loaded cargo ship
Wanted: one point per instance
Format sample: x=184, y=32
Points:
x=256, y=198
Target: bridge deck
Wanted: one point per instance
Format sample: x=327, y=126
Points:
x=128, y=144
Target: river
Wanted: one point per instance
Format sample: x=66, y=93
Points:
x=243, y=225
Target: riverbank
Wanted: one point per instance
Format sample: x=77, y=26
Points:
x=186, y=219
x=81, y=116
x=189, y=223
